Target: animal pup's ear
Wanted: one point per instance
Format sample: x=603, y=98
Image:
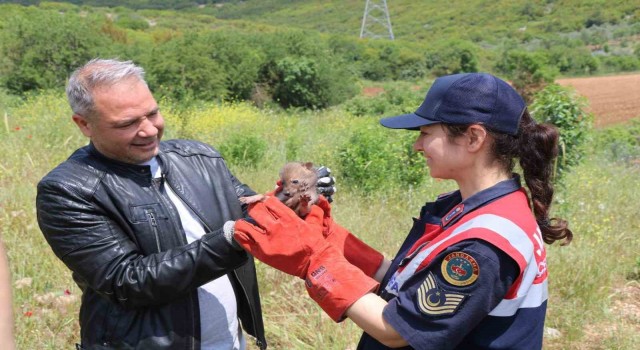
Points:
x=308, y=165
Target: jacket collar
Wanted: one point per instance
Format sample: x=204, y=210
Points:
x=450, y=207
x=127, y=169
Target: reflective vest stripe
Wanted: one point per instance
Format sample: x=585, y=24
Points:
x=535, y=295
x=507, y=236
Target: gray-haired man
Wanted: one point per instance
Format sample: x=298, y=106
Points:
x=138, y=222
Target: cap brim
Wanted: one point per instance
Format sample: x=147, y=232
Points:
x=410, y=121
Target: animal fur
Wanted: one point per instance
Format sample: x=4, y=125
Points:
x=299, y=191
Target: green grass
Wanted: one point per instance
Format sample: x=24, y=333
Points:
x=599, y=199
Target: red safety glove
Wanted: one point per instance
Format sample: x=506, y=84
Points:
x=284, y=241
x=356, y=251
x=276, y=190
x=281, y=239
x=334, y=283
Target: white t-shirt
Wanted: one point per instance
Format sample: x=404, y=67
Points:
x=219, y=326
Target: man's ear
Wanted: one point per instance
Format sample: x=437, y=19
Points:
x=83, y=124
x=477, y=137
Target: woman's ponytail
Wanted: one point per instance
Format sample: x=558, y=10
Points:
x=536, y=145
x=537, y=150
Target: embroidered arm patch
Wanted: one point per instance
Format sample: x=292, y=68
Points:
x=460, y=269
x=434, y=301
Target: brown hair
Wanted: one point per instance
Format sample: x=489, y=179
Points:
x=536, y=146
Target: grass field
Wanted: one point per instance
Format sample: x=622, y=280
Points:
x=594, y=289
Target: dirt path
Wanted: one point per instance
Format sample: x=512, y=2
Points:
x=612, y=99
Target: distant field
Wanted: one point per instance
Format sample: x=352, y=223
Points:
x=612, y=99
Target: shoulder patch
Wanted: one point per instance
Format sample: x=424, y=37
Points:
x=460, y=269
x=434, y=301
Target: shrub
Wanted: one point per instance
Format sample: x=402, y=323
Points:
x=451, y=57
x=394, y=100
x=388, y=60
x=529, y=71
x=300, y=70
x=132, y=22
x=563, y=108
x=239, y=60
x=620, y=143
x=182, y=68
x=243, y=150
x=375, y=159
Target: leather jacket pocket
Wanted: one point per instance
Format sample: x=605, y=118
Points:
x=149, y=221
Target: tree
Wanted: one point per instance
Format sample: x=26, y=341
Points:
x=300, y=70
x=182, y=68
x=41, y=48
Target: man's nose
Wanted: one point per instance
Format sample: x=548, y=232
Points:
x=147, y=129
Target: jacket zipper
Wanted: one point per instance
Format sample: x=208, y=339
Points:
x=165, y=202
x=154, y=227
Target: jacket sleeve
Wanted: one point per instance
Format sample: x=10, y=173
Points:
x=104, y=258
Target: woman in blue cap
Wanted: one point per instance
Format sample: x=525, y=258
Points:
x=472, y=272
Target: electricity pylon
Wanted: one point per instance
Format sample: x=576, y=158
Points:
x=376, y=20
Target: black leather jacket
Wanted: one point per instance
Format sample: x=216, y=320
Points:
x=114, y=227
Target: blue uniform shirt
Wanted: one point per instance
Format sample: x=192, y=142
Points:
x=432, y=311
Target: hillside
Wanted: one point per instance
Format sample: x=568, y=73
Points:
x=595, y=22
x=425, y=20
x=307, y=53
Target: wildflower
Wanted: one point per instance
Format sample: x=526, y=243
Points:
x=17, y=128
x=28, y=313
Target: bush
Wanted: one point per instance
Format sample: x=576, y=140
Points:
x=132, y=22
x=563, y=108
x=620, y=63
x=388, y=60
x=376, y=159
x=529, y=71
x=239, y=60
x=300, y=70
x=620, y=143
x=182, y=68
x=394, y=100
x=243, y=150
x=40, y=49
x=298, y=83
x=452, y=57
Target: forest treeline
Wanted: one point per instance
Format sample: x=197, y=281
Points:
x=191, y=55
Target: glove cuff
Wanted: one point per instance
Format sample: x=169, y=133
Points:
x=334, y=284
x=362, y=255
x=227, y=230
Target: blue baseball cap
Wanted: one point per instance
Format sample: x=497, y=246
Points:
x=466, y=98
